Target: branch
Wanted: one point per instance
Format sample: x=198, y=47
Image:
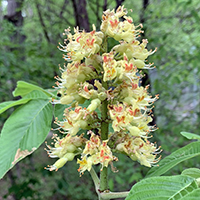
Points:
x=105, y=5
x=114, y=195
x=119, y=3
x=63, y=8
x=60, y=15
x=106, y=194
x=42, y=22
x=95, y=11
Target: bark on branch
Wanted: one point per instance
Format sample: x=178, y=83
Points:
x=42, y=22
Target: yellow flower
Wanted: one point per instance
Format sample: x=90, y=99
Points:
x=138, y=149
x=105, y=155
x=95, y=152
x=61, y=162
x=109, y=66
x=135, y=50
x=82, y=44
x=87, y=91
x=127, y=70
x=85, y=164
x=95, y=103
x=119, y=116
x=119, y=30
x=92, y=145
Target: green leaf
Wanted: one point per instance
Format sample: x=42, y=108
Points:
x=8, y=104
x=189, y=151
x=23, y=132
x=194, y=195
x=165, y=188
x=37, y=94
x=190, y=136
x=193, y=172
x=23, y=88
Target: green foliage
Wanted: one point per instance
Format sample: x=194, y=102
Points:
x=165, y=188
x=190, y=136
x=24, y=89
x=193, y=172
x=9, y=104
x=27, y=127
x=189, y=151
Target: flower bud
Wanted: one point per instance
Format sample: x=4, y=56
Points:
x=133, y=157
x=74, y=130
x=134, y=131
x=81, y=78
x=139, y=64
x=58, y=164
x=94, y=104
x=79, y=98
x=94, y=94
x=102, y=96
x=70, y=148
x=120, y=147
x=62, y=161
x=82, y=124
x=130, y=100
x=69, y=156
x=66, y=99
x=100, y=34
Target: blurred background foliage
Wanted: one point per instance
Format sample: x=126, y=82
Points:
x=29, y=35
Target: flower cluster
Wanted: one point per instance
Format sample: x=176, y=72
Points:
x=94, y=78
x=65, y=149
x=95, y=152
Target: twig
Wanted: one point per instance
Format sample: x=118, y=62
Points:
x=42, y=22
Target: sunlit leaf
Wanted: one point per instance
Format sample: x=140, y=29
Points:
x=23, y=132
x=23, y=88
x=189, y=151
x=165, y=188
x=190, y=136
x=8, y=104
x=193, y=172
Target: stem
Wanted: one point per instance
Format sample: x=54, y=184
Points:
x=104, y=179
x=95, y=179
x=104, y=131
x=114, y=195
x=104, y=116
x=104, y=136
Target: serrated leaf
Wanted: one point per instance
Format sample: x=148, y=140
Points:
x=189, y=151
x=36, y=94
x=193, y=172
x=165, y=188
x=8, y=104
x=194, y=195
x=23, y=132
x=190, y=136
x=23, y=88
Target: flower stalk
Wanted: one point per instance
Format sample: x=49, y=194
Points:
x=104, y=87
x=113, y=195
x=95, y=179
